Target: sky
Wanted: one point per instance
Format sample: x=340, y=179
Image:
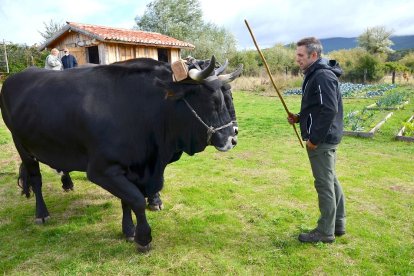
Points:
x=272, y=21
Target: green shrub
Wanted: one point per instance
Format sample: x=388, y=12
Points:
x=22, y=56
x=409, y=128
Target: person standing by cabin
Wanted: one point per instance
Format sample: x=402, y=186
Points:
x=321, y=125
x=68, y=60
x=52, y=61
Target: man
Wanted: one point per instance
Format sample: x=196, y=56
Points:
x=68, y=60
x=52, y=61
x=321, y=125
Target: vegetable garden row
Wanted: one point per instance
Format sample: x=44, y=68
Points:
x=367, y=108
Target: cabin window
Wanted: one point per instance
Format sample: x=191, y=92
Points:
x=93, y=54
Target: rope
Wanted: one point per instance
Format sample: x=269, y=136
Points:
x=210, y=129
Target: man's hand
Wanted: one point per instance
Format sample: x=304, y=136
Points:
x=310, y=146
x=292, y=118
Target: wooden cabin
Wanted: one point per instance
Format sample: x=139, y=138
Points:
x=104, y=45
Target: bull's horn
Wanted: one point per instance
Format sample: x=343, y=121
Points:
x=201, y=75
x=232, y=76
x=222, y=68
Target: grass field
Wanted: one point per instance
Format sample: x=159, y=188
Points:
x=234, y=213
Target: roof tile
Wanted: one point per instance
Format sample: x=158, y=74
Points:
x=125, y=35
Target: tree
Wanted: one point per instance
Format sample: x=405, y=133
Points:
x=175, y=18
x=376, y=40
x=22, y=56
x=369, y=67
x=182, y=19
x=348, y=60
x=394, y=67
x=408, y=61
x=51, y=28
x=249, y=58
x=212, y=40
x=358, y=65
x=280, y=58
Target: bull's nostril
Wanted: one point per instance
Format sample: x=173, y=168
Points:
x=233, y=141
x=236, y=130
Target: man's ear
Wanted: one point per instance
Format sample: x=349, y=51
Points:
x=172, y=90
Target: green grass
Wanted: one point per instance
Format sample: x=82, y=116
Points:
x=226, y=213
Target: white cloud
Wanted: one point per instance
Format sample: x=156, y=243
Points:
x=284, y=21
x=273, y=21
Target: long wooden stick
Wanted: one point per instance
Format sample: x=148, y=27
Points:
x=271, y=78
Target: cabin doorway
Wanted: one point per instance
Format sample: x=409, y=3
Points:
x=93, y=55
x=163, y=55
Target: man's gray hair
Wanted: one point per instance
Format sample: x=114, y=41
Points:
x=312, y=44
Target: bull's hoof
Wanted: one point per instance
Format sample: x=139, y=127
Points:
x=130, y=239
x=66, y=190
x=155, y=207
x=155, y=202
x=143, y=249
x=42, y=220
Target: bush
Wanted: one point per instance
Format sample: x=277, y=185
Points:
x=369, y=68
x=357, y=63
x=409, y=128
x=22, y=56
x=408, y=61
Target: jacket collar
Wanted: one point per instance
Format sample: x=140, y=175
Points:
x=311, y=67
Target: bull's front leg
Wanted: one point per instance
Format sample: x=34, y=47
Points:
x=112, y=179
x=155, y=202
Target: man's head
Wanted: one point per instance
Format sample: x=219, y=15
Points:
x=66, y=51
x=54, y=52
x=308, y=51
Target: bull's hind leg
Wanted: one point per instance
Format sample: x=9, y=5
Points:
x=23, y=181
x=67, y=183
x=30, y=175
x=128, y=227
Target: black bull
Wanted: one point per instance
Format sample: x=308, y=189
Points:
x=120, y=124
x=154, y=201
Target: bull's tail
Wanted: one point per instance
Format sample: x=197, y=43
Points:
x=23, y=181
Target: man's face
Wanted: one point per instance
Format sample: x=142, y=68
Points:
x=303, y=59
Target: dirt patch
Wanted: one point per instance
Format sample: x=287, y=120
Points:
x=399, y=188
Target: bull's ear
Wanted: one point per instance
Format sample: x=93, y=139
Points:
x=172, y=90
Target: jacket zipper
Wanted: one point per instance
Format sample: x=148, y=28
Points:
x=310, y=125
x=320, y=94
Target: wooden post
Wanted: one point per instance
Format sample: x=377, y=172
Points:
x=365, y=75
x=271, y=79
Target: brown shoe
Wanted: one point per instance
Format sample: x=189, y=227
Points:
x=315, y=236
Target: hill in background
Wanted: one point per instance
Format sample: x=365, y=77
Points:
x=403, y=42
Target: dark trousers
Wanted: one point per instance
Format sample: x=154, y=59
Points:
x=330, y=196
